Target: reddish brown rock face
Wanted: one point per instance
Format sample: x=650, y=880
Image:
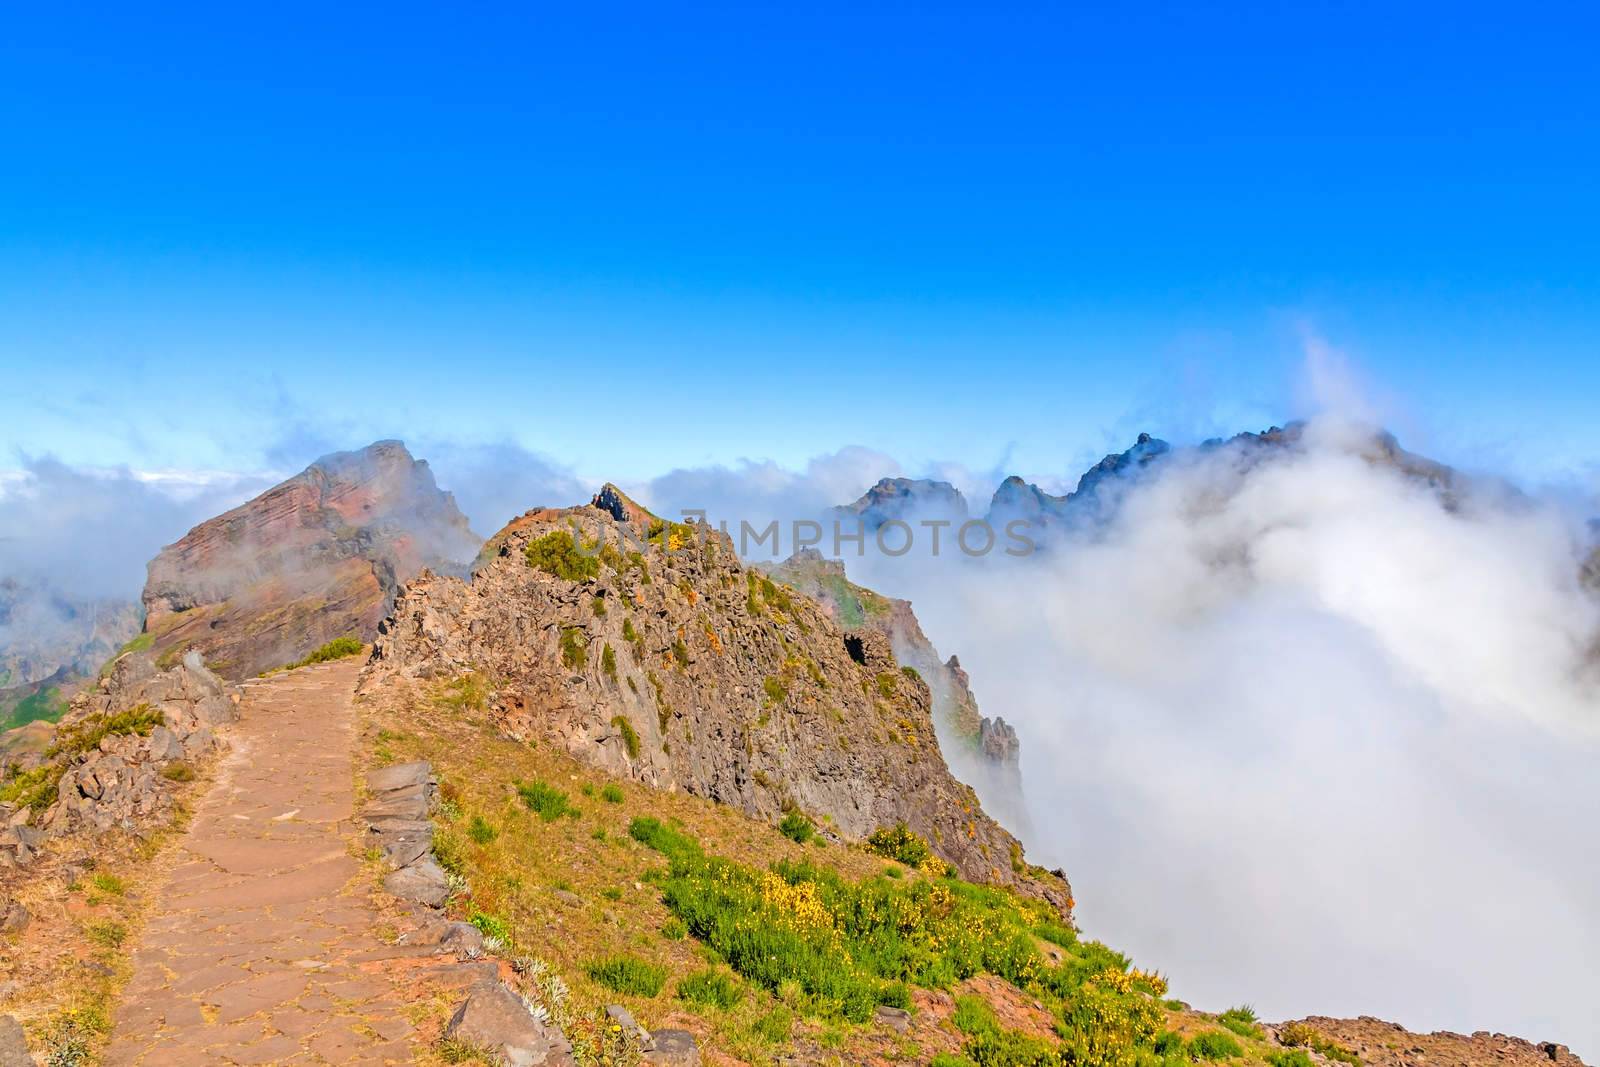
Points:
x=314, y=558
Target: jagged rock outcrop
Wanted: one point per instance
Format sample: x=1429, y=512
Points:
x=317, y=557
x=671, y=663
x=1042, y=511
x=1377, y=1043
x=104, y=767
x=962, y=727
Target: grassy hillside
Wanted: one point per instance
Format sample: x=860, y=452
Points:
x=45, y=704
x=764, y=939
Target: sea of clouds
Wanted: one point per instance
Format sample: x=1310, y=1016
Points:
x=1303, y=731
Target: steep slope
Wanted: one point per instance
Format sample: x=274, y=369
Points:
x=314, y=558
x=671, y=663
x=972, y=743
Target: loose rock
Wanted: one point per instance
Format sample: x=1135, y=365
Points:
x=495, y=1018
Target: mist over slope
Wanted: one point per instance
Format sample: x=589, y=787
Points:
x=1312, y=733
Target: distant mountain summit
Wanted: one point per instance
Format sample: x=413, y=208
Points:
x=905, y=500
x=316, y=557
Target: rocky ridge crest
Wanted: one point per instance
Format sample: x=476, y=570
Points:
x=662, y=658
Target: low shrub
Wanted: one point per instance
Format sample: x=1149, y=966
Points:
x=1303, y=1036
x=629, y=974
x=338, y=648
x=1242, y=1021
x=776, y=691
x=898, y=843
x=712, y=988
x=1213, y=1045
x=608, y=662
x=797, y=828
x=1288, y=1058
x=556, y=554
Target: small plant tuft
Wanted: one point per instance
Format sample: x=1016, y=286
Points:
x=629, y=974
x=797, y=828
x=548, y=802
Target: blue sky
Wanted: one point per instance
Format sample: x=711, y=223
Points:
x=635, y=238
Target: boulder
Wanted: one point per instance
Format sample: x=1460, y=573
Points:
x=495, y=1018
x=896, y=1019
x=399, y=776
x=421, y=883
x=402, y=848
x=14, y=919
x=14, y=1045
x=672, y=1048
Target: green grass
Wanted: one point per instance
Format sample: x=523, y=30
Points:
x=574, y=648
x=776, y=691
x=548, y=802
x=629, y=974
x=611, y=793
x=46, y=705
x=107, y=933
x=988, y=1045
x=338, y=648
x=178, y=771
x=1213, y=1045
x=711, y=987
x=608, y=662
x=557, y=554
x=108, y=883
x=797, y=828
x=481, y=831
x=630, y=736
x=1288, y=1058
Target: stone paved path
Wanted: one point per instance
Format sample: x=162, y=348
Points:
x=254, y=953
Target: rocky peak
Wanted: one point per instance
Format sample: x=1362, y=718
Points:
x=905, y=499
x=620, y=506
x=1017, y=499
x=1145, y=451
x=659, y=656
x=313, y=558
